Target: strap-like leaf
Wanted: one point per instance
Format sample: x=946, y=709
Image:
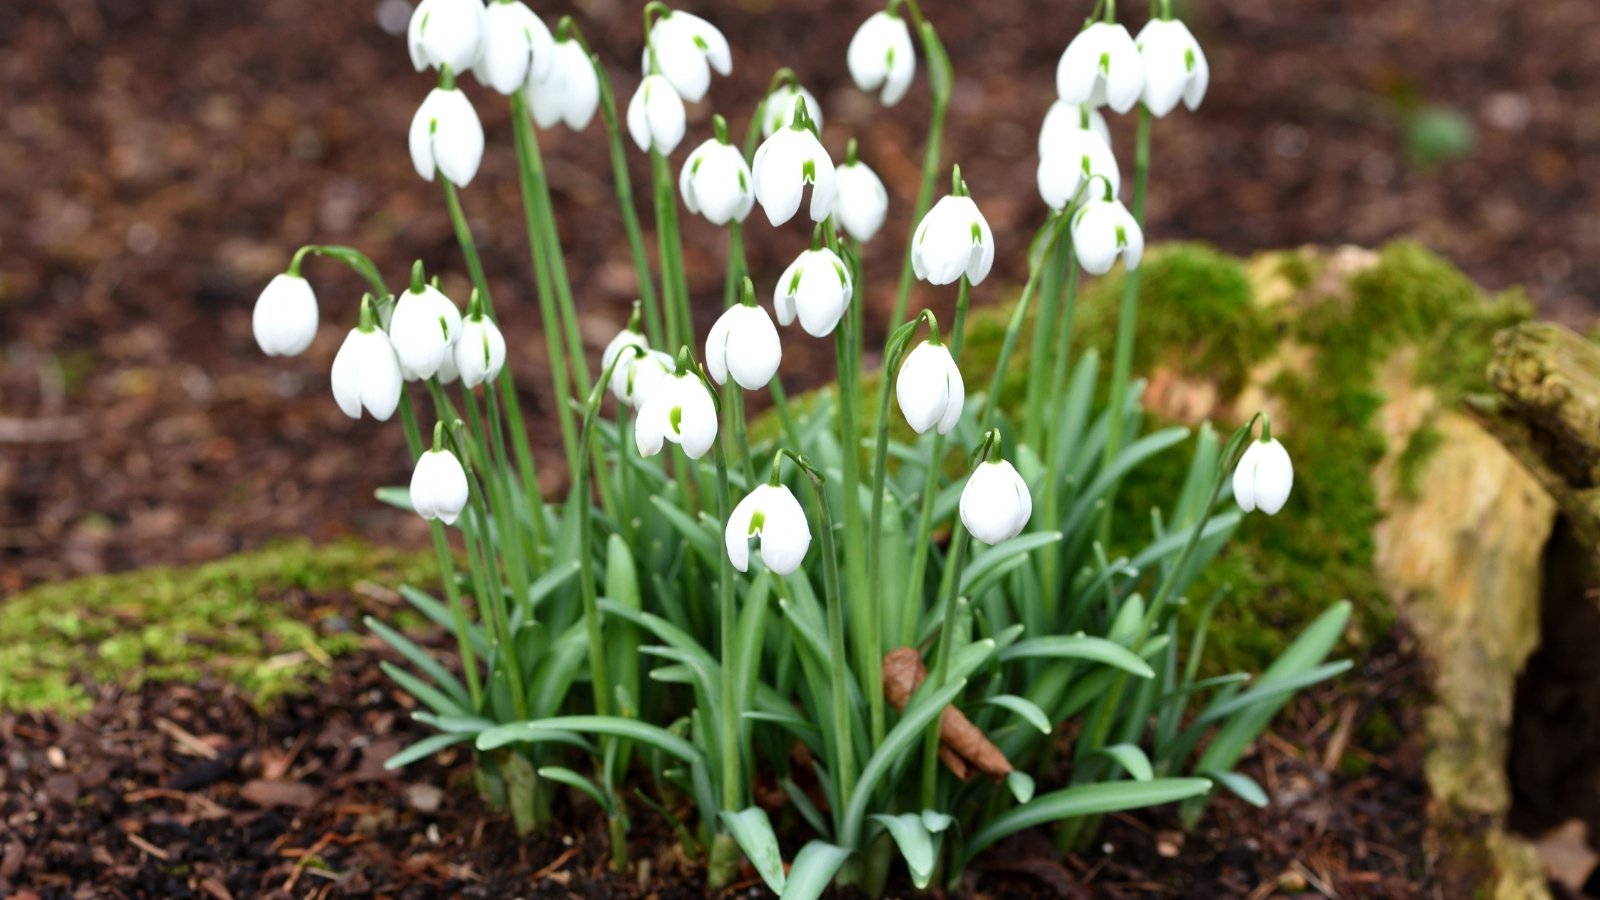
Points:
x=1083, y=800
x=813, y=868
x=753, y=830
x=915, y=843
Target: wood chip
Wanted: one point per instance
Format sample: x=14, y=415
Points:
x=279, y=793
x=186, y=741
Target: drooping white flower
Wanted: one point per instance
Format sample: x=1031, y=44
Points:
x=678, y=408
x=771, y=514
x=517, y=47
x=634, y=378
x=953, y=240
x=862, y=202
x=656, y=117
x=445, y=33
x=1174, y=66
x=1104, y=230
x=285, y=316
x=929, y=389
x=1264, y=477
x=366, y=371
x=995, y=504
x=480, y=351
x=816, y=288
x=1064, y=118
x=448, y=373
x=687, y=48
x=569, y=92
x=1101, y=65
x=423, y=330
x=784, y=164
x=881, y=55
x=1070, y=160
x=446, y=136
x=779, y=108
x=625, y=338
x=439, y=486
x=715, y=183
x=743, y=343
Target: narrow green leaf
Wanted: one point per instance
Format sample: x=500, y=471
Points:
x=542, y=730
x=924, y=708
x=1021, y=785
x=1083, y=800
x=915, y=843
x=420, y=658
x=424, y=748
x=1241, y=785
x=1022, y=706
x=1079, y=646
x=753, y=830
x=813, y=868
x=1132, y=760
x=570, y=778
x=425, y=692
x=988, y=565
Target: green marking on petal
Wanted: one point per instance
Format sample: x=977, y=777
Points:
x=808, y=172
x=888, y=58
x=843, y=278
x=701, y=43
x=977, y=234
x=444, y=327
x=1085, y=164
x=757, y=519
x=675, y=418
x=1105, y=63
x=1188, y=59
x=1122, y=237
x=422, y=30
x=694, y=166
x=794, y=283
x=486, y=350
x=743, y=185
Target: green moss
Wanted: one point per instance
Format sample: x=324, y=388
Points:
x=1419, y=449
x=232, y=618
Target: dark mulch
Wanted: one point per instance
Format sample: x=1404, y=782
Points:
x=186, y=790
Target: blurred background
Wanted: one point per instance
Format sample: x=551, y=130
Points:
x=162, y=160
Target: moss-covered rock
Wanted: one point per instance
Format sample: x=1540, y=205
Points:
x=232, y=618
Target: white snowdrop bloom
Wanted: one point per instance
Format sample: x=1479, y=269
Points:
x=446, y=136
x=995, y=504
x=784, y=164
x=929, y=389
x=445, y=33
x=656, y=117
x=569, y=92
x=881, y=55
x=779, y=108
x=1070, y=162
x=517, y=47
x=953, y=240
x=285, y=316
x=480, y=352
x=1174, y=66
x=862, y=203
x=715, y=183
x=678, y=408
x=1103, y=230
x=1063, y=118
x=366, y=372
x=687, y=48
x=1264, y=477
x=1101, y=65
x=743, y=343
x=771, y=514
x=625, y=338
x=423, y=329
x=816, y=288
x=635, y=377
x=439, y=486
x=448, y=373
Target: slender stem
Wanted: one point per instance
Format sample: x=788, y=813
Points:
x=736, y=264
x=865, y=610
x=1127, y=322
x=733, y=398
x=941, y=665
x=550, y=233
x=674, y=285
x=1050, y=563
x=729, y=721
x=958, y=329
x=1013, y=330
x=1044, y=329
x=930, y=176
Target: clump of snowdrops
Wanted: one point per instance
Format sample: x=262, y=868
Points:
x=708, y=612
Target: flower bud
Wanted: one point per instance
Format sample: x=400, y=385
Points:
x=995, y=504
x=816, y=288
x=687, y=48
x=285, y=316
x=715, y=183
x=569, y=92
x=678, y=409
x=517, y=47
x=1264, y=477
x=743, y=343
x=423, y=329
x=656, y=117
x=439, y=486
x=862, y=203
x=953, y=240
x=447, y=137
x=784, y=164
x=445, y=33
x=1103, y=230
x=771, y=514
x=1101, y=65
x=1175, y=66
x=929, y=389
x=881, y=55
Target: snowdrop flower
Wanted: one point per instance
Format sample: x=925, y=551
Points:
x=862, y=202
x=678, y=408
x=423, y=328
x=439, y=484
x=1070, y=161
x=816, y=288
x=778, y=110
x=445, y=33
x=656, y=118
x=686, y=49
x=446, y=135
x=1103, y=230
x=715, y=181
x=630, y=336
x=953, y=240
x=480, y=352
x=880, y=55
x=1175, y=67
x=1063, y=118
x=1101, y=65
x=1264, y=476
x=366, y=371
x=569, y=92
x=929, y=388
x=771, y=514
x=635, y=377
x=785, y=163
x=285, y=316
x=517, y=47
x=995, y=504
x=744, y=344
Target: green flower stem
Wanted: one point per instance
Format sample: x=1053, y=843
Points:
x=780, y=402
x=1044, y=330
x=550, y=233
x=510, y=542
x=733, y=398
x=529, y=177
x=729, y=722
x=941, y=667
x=958, y=329
x=674, y=284
x=536, y=540
x=930, y=164
x=736, y=264
x=1050, y=562
x=447, y=567
x=1014, y=327
x=1128, y=318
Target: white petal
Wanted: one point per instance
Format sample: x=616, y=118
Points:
x=1165, y=72
x=823, y=294
x=457, y=137
x=754, y=351
x=717, y=347
x=1244, y=478
x=865, y=57
x=823, y=184
x=686, y=176
x=420, y=137
x=668, y=120
x=1125, y=81
x=957, y=391
x=1274, y=477
x=638, y=121
x=862, y=203
x=450, y=491
x=346, y=376
x=679, y=60
x=778, y=176
x=1199, y=75
x=902, y=68
x=982, y=258
x=1079, y=69
x=380, y=380
x=1094, y=237
x=736, y=534
x=722, y=186
x=785, y=533
x=1133, y=240
x=480, y=353
x=651, y=427
x=716, y=44
x=284, y=320
x=921, y=389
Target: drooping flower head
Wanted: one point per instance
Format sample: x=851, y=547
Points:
x=686, y=48
x=715, y=181
x=480, y=352
x=1264, y=477
x=656, y=118
x=677, y=408
x=423, y=328
x=863, y=202
x=366, y=372
x=445, y=33
x=1102, y=232
x=816, y=289
x=788, y=161
x=569, y=92
x=881, y=56
x=772, y=515
x=284, y=320
x=953, y=240
x=995, y=504
x=446, y=135
x=744, y=344
x=517, y=47
x=439, y=483
x=778, y=109
x=1101, y=66
x=929, y=388
x=1175, y=67
x=1072, y=151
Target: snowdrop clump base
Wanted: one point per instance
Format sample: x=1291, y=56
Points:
x=706, y=612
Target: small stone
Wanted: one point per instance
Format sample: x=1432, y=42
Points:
x=1169, y=844
x=424, y=798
